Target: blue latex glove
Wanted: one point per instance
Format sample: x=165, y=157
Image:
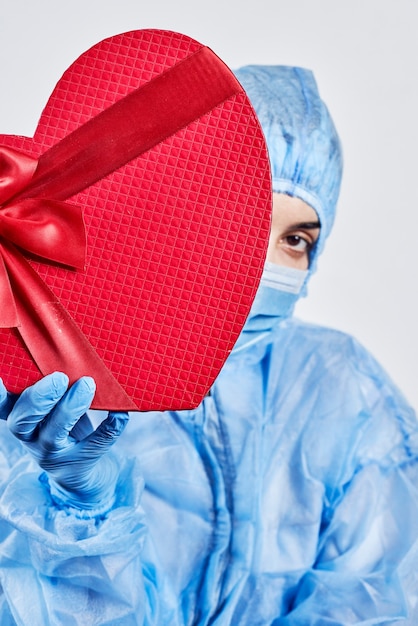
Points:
x=45, y=418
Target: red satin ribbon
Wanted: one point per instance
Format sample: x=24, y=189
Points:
x=51, y=229
x=34, y=217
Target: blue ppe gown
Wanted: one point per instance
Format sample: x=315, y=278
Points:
x=289, y=497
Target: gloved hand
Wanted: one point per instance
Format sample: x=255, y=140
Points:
x=81, y=473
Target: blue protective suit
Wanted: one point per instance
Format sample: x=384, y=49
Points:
x=288, y=497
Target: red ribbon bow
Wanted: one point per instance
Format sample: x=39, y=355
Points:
x=50, y=229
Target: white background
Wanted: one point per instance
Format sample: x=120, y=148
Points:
x=364, y=54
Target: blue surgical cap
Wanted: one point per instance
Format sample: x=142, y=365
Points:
x=305, y=151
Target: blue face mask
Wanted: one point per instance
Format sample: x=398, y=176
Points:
x=275, y=300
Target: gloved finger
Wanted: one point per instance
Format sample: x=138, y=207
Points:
x=35, y=403
x=106, y=434
x=72, y=406
x=7, y=401
x=82, y=428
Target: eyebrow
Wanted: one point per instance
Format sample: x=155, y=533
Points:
x=307, y=225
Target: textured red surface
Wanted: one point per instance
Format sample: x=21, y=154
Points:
x=176, y=239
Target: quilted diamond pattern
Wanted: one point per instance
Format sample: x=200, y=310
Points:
x=176, y=239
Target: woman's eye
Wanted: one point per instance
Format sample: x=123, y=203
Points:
x=296, y=242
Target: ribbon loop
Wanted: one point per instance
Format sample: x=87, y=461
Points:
x=50, y=229
x=16, y=170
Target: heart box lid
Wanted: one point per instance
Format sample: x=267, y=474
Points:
x=134, y=224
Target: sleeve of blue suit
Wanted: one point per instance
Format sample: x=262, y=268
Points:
x=72, y=534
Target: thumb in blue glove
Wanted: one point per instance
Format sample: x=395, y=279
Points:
x=81, y=473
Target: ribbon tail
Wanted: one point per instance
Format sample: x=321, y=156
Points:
x=8, y=313
x=54, y=340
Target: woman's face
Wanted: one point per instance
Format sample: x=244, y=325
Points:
x=294, y=231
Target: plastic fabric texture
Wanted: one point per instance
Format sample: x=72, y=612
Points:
x=287, y=498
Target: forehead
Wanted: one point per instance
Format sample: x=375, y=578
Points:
x=290, y=209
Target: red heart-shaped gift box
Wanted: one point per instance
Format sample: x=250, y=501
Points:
x=176, y=232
